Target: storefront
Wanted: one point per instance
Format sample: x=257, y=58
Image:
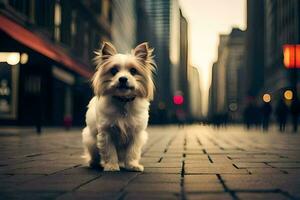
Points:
x=39, y=81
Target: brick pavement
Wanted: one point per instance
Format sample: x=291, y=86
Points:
x=194, y=162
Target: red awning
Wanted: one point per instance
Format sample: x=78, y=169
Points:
x=42, y=46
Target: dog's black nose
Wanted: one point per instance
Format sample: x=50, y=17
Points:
x=123, y=79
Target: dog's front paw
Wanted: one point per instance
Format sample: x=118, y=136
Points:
x=134, y=167
x=109, y=167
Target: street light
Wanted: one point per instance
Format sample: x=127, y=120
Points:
x=266, y=98
x=288, y=95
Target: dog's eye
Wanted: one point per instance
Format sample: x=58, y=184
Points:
x=133, y=71
x=114, y=71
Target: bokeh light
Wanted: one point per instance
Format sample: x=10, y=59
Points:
x=266, y=98
x=288, y=95
x=13, y=58
x=178, y=99
x=24, y=58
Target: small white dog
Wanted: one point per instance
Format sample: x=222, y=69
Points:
x=117, y=115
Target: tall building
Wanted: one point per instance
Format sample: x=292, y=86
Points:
x=124, y=25
x=46, y=48
x=194, y=94
x=213, y=92
x=219, y=77
x=254, y=51
x=162, y=22
x=184, y=63
x=282, y=26
x=228, y=87
x=235, y=74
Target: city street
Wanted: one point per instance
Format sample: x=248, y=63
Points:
x=193, y=162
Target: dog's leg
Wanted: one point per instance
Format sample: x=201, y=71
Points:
x=90, y=147
x=108, y=152
x=121, y=157
x=133, y=153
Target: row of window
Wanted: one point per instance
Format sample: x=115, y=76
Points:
x=74, y=24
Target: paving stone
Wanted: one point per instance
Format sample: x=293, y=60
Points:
x=203, y=187
x=252, y=166
x=215, y=170
x=89, y=195
x=286, y=165
x=29, y=195
x=213, y=196
x=151, y=196
x=163, y=165
x=157, y=178
x=255, y=185
x=261, y=196
x=153, y=187
x=170, y=170
x=201, y=179
x=264, y=170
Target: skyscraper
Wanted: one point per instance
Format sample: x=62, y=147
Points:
x=163, y=20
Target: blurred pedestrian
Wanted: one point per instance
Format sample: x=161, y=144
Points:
x=266, y=111
x=256, y=115
x=295, y=111
x=248, y=115
x=281, y=114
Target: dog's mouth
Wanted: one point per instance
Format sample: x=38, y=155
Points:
x=125, y=87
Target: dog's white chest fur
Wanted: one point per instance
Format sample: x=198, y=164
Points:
x=121, y=120
x=117, y=116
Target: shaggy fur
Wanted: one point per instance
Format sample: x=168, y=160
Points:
x=117, y=115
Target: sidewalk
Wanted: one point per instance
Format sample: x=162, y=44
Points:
x=194, y=162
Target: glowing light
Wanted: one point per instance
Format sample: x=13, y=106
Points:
x=178, y=99
x=291, y=56
x=13, y=58
x=24, y=58
x=233, y=107
x=266, y=98
x=288, y=95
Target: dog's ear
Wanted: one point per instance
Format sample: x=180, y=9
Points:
x=143, y=52
x=105, y=52
x=108, y=49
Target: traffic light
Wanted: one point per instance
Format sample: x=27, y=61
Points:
x=178, y=99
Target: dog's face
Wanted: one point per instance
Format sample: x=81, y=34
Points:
x=124, y=75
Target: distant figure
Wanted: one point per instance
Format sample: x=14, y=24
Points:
x=248, y=115
x=281, y=113
x=266, y=111
x=68, y=122
x=256, y=115
x=295, y=111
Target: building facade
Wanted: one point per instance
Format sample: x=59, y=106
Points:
x=218, y=84
x=46, y=49
x=194, y=94
x=255, y=47
x=124, y=25
x=228, y=86
x=282, y=26
x=236, y=82
x=159, y=22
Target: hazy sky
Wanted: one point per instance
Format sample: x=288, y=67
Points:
x=207, y=19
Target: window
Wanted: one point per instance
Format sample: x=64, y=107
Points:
x=57, y=21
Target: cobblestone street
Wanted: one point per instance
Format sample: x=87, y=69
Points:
x=194, y=162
